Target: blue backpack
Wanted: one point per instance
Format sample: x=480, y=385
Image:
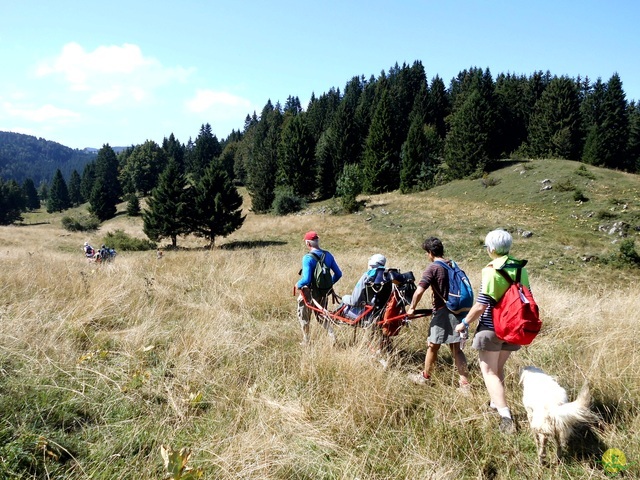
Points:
x=460, y=297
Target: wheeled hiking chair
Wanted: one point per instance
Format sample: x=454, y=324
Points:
x=383, y=310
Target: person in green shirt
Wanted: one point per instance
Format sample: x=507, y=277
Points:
x=493, y=352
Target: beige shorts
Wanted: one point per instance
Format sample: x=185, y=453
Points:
x=488, y=341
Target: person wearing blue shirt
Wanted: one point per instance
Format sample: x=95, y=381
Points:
x=305, y=285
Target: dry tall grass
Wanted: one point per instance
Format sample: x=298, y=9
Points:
x=201, y=349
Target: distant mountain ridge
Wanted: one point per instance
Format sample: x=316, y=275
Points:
x=25, y=156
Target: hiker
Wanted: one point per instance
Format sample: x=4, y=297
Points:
x=88, y=250
x=492, y=351
x=307, y=288
x=442, y=328
x=376, y=265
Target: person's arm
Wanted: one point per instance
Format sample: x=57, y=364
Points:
x=305, y=276
x=474, y=314
x=417, y=295
x=335, y=269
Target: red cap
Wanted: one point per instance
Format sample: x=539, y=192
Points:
x=310, y=235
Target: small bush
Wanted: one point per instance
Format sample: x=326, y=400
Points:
x=349, y=186
x=565, y=186
x=121, y=241
x=286, y=202
x=605, y=215
x=578, y=196
x=489, y=181
x=582, y=170
x=80, y=224
x=628, y=252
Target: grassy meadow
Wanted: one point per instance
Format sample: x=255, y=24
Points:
x=100, y=365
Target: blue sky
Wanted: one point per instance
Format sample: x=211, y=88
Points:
x=121, y=72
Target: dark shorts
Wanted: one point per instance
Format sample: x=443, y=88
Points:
x=488, y=341
x=442, y=328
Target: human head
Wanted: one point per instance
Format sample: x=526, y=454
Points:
x=433, y=246
x=86, y=244
x=311, y=239
x=377, y=261
x=498, y=241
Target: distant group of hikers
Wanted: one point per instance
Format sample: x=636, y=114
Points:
x=103, y=254
x=449, y=325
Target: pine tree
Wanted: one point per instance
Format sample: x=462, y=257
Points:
x=608, y=132
x=217, y=205
x=31, y=194
x=12, y=202
x=634, y=137
x=296, y=157
x=106, y=190
x=262, y=159
x=206, y=149
x=88, y=179
x=133, y=205
x=174, y=149
x=468, y=147
x=58, y=194
x=381, y=164
x=75, y=190
x=555, y=125
x=439, y=106
x=168, y=213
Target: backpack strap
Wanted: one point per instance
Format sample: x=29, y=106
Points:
x=508, y=278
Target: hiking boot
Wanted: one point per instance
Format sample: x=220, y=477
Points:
x=420, y=378
x=507, y=426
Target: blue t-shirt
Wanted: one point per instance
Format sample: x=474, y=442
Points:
x=309, y=265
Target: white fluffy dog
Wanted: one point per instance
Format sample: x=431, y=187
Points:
x=549, y=411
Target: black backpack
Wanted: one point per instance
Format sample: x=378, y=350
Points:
x=322, y=280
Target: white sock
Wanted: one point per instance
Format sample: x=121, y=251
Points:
x=504, y=412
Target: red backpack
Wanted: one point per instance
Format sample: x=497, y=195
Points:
x=516, y=318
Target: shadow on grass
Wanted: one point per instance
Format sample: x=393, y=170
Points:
x=249, y=244
x=22, y=224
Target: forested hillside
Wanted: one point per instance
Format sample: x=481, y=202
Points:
x=399, y=131
x=25, y=156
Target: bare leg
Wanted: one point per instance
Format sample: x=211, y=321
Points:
x=431, y=357
x=492, y=367
x=460, y=361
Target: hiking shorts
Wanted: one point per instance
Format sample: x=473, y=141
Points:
x=488, y=340
x=442, y=328
x=304, y=313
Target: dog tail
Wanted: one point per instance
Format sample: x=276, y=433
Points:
x=572, y=414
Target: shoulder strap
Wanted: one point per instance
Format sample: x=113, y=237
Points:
x=444, y=264
x=508, y=278
x=315, y=255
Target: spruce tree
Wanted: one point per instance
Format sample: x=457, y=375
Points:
x=555, y=124
x=168, y=212
x=468, y=143
x=87, y=180
x=206, y=149
x=381, y=163
x=634, y=137
x=262, y=159
x=133, y=205
x=608, y=134
x=296, y=157
x=12, y=202
x=31, y=194
x=217, y=205
x=106, y=190
x=58, y=194
x=75, y=190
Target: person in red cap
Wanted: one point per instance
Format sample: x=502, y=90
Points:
x=305, y=284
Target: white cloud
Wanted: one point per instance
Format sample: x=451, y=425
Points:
x=41, y=114
x=111, y=74
x=216, y=102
